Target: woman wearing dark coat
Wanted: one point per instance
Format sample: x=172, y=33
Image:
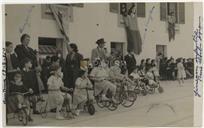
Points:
x=72, y=66
x=24, y=51
x=130, y=61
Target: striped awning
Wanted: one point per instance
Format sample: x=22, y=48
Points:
x=47, y=49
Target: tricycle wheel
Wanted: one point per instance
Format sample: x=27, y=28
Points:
x=91, y=109
x=23, y=117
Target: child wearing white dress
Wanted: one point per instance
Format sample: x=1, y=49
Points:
x=55, y=96
x=80, y=93
x=181, y=74
x=135, y=75
x=150, y=76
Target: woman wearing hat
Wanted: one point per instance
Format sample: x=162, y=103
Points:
x=100, y=51
x=72, y=66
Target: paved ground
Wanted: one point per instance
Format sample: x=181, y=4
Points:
x=174, y=107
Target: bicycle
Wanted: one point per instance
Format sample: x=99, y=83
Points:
x=128, y=96
x=99, y=101
x=124, y=95
x=21, y=112
x=66, y=109
x=89, y=103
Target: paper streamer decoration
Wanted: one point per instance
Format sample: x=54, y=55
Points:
x=26, y=21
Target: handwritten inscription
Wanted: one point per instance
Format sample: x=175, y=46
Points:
x=197, y=38
x=4, y=73
x=198, y=80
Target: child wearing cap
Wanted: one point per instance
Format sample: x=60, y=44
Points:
x=55, y=95
x=80, y=93
x=115, y=73
x=17, y=88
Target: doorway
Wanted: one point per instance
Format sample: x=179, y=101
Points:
x=117, y=49
x=49, y=46
x=161, y=49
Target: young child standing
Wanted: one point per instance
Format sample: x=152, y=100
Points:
x=55, y=96
x=181, y=74
x=30, y=81
x=155, y=71
x=80, y=92
x=17, y=89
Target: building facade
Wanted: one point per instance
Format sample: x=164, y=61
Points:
x=89, y=22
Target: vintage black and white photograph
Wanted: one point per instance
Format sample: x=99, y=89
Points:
x=135, y=64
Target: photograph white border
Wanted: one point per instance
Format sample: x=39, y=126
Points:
x=198, y=102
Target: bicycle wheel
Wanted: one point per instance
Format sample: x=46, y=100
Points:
x=118, y=98
x=91, y=109
x=43, y=111
x=129, y=98
x=23, y=116
x=66, y=111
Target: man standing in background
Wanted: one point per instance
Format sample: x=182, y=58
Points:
x=171, y=26
x=99, y=52
x=130, y=61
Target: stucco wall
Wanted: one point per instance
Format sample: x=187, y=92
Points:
x=84, y=30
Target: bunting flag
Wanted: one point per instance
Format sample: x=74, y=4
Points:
x=62, y=21
x=134, y=41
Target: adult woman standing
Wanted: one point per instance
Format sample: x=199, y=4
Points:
x=24, y=51
x=72, y=66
